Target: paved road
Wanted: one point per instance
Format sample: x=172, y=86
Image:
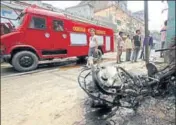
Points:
x=8, y=71
x=48, y=97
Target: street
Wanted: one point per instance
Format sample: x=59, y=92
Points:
x=41, y=98
x=7, y=70
x=50, y=96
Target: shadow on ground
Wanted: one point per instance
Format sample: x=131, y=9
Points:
x=9, y=70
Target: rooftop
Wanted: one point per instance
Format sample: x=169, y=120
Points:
x=79, y=5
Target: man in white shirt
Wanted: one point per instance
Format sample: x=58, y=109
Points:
x=93, y=45
x=120, y=46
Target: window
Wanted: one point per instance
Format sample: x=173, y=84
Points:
x=20, y=19
x=108, y=43
x=78, y=38
x=38, y=23
x=58, y=25
x=100, y=40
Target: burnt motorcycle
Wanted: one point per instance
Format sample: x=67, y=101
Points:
x=124, y=89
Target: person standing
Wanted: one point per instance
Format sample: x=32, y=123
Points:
x=120, y=45
x=150, y=43
x=128, y=46
x=93, y=45
x=163, y=37
x=137, y=45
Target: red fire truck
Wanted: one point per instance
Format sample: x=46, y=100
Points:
x=44, y=35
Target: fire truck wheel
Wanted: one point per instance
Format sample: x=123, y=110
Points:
x=25, y=61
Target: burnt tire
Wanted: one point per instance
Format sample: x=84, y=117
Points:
x=25, y=61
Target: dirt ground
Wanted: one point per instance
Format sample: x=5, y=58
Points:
x=46, y=98
x=50, y=98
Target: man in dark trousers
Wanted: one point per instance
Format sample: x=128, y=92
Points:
x=150, y=43
x=137, y=45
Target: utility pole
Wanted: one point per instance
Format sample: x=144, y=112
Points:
x=146, y=31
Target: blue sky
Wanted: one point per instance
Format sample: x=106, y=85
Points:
x=155, y=8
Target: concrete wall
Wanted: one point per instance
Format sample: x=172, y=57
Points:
x=139, y=14
x=170, y=31
x=84, y=11
x=103, y=4
x=105, y=12
x=171, y=23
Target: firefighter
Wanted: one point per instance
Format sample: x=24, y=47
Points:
x=93, y=47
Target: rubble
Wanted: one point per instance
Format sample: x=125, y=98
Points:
x=151, y=112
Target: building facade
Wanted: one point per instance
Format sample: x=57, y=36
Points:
x=117, y=13
x=124, y=20
x=139, y=14
x=103, y=4
x=83, y=10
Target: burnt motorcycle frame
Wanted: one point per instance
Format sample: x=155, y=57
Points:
x=134, y=88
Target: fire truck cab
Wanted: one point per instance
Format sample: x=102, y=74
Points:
x=42, y=34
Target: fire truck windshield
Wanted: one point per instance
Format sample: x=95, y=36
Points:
x=20, y=19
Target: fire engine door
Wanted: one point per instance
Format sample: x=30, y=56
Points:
x=59, y=37
x=37, y=33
